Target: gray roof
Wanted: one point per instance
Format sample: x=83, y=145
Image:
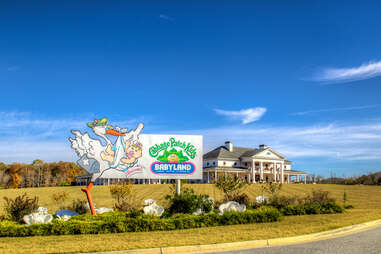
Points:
x=223, y=153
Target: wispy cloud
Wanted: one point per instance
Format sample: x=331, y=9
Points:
x=335, y=109
x=338, y=142
x=25, y=136
x=166, y=17
x=245, y=115
x=13, y=68
x=364, y=71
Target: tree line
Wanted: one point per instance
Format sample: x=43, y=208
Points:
x=39, y=174
x=366, y=179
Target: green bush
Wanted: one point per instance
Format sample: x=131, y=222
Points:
x=188, y=202
x=327, y=208
x=119, y=222
x=241, y=199
x=16, y=209
x=279, y=201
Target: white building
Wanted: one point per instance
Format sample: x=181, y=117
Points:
x=261, y=164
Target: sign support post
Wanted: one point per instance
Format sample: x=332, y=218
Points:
x=178, y=186
x=87, y=191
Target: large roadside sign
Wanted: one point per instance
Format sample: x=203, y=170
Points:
x=121, y=153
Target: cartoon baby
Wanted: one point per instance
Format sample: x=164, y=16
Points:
x=133, y=152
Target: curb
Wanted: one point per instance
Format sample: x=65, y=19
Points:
x=253, y=244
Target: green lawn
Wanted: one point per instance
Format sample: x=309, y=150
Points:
x=366, y=199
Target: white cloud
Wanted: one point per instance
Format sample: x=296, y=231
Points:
x=26, y=136
x=335, y=109
x=245, y=115
x=338, y=142
x=13, y=68
x=364, y=71
x=166, y=17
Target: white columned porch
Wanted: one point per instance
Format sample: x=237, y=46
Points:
x=253, y=170
x=208, y=176
x=274, y=171
x=261, y=171
x=288, y=178
x=282, y=172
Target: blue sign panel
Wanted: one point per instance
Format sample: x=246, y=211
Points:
x=184, y=168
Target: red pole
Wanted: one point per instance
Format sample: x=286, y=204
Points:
x=87, y=191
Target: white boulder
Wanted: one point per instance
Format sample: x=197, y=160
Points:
x=148, y=202
x=153, y=209
x=231, y=206
x=198, y=212
x=39, y=217
x=261, y=199
x=103, y=210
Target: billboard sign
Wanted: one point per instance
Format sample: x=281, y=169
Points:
x=122, y=153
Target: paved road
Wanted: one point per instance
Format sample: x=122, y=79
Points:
x=367, y=242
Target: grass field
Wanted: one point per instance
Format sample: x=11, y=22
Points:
x=366, y=199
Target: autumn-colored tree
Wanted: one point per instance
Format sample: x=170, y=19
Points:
x=38, y=174
x=15, y=181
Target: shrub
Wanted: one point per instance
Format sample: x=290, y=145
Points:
x=242, y=199
x=119, y=222
x=188, y=202
x=319, y=197
x=230, y=186
x=16, y=209
x=272, y=188
x=124, y=197
x=282, y=201
x=80, y=206
x=327, y=208
x=59, y=198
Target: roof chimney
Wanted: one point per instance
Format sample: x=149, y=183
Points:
x=229, y=146
x=263, y=146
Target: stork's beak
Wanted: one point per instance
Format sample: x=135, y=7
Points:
x=114, y=133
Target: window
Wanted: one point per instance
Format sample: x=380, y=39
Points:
x=207, y=164
x=224, y=162
x=214, y=163
x=246, y=164
x=235, y=163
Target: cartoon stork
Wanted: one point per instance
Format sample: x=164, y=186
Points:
x=100, y=128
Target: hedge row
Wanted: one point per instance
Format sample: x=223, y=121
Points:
x=326, y=208
x=119, y=223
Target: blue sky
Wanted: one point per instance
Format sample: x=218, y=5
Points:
x=302, y=77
